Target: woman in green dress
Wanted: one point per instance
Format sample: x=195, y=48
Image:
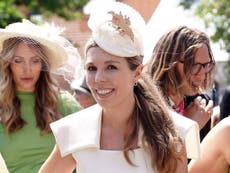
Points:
x=29, y=96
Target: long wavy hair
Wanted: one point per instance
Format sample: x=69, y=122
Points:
x=46, y=99
x=179, y=43
x=151, y=114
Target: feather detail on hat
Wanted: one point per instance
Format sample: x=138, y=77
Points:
x=72, y=68
x=122, y=24
x=118, y=29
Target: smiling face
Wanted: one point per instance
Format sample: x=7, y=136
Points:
x=109, y=78
x=26, y=67
x=201, y=57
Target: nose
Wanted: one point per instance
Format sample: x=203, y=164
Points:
x=100, y=76
x=27, y=68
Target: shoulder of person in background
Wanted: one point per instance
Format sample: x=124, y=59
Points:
x=225, y=104
x=214, y=151
x=67, y=103
x=82, y=93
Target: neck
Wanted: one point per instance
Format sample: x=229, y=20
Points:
x=176, y=99
x=118, y=116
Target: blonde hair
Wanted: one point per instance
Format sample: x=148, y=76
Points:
x=179, y=43
x=46, y=99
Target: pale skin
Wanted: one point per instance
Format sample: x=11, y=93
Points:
x=215, y=151
x=199, y=110
x=111, y=83
x=26, y=67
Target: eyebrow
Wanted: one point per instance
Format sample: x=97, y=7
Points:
x=112, y=61
x=36, y=56
x=107, y=62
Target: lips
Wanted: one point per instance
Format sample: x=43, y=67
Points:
x=27, y=78
x=102, y=93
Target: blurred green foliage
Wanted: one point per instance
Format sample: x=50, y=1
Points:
x=14, y=10
x=9, y=13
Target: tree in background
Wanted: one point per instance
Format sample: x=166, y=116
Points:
x=9, y=13
x=14, y=10
x=216, y=15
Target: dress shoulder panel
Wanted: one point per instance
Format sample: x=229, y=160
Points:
x=189, y=131
x=78, y=131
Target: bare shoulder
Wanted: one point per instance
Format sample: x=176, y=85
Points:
x=222, y=129
x=218, y=136
x=215, y=150
x=224, y=138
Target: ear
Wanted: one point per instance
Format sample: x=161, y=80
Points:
x=138, y=71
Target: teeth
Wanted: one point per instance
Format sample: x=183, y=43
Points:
x=103, y=91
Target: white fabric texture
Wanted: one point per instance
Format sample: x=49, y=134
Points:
x=189, y=130
x=3, y=168
x=69, y=131
x=79, y=134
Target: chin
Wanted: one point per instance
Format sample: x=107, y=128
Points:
x=192, y=92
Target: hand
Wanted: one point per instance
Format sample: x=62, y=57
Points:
x=199, y=111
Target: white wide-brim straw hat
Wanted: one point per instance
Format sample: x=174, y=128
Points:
x=48, y=39
x=118, y=29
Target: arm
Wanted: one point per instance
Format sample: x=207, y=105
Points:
x=57, y=164
x=215, y=152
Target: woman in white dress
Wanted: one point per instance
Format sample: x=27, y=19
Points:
x=130, y=129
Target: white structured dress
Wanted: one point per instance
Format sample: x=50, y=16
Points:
x=79, y=135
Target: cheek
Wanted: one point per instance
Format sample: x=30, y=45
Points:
x=15, y=70
x=36, y=70
x=90, y=79
x=180, y=72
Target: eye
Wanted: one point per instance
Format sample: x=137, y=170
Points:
x=91, y=68
x=18, y=61
x=112, y=67
x=36, y=61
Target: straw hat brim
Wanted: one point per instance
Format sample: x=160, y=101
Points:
x=56, y=54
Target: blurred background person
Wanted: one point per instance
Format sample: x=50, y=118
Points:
x=225, y=104
x=30, y=98
x=182, y=65
x=82, y=93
